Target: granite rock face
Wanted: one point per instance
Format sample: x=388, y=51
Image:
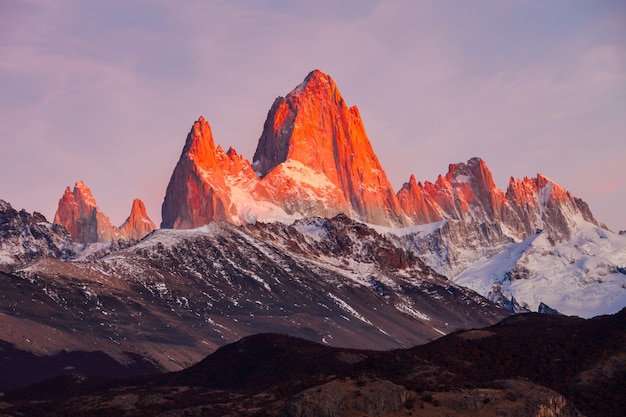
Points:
x=468, y=193
x=314, y=127
x=138, y=224
x=540, y=203
x=313, y=159
x=197, y=192
x=81, y=216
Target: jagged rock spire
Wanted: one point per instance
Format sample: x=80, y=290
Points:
x=313, y=126
x=81, y=216
x=196, y=193
x=467, y=192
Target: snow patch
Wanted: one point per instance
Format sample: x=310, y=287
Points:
x=585, y=276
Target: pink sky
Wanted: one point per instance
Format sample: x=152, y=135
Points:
x=106, y=92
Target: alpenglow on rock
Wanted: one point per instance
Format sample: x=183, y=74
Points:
x=198, y=192
x=468, y=193
x=80, y=215
x=313, y=128
x=138, y=224
x=312, y=159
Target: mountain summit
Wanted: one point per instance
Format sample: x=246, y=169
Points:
x=314, y=130
x=196, y=193
x=468, y=193
x=81, y=216
x=138, y=224
x=313, y=159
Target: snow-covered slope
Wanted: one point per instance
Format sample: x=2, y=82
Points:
x=178, y=294
x=451, y=246
x=25, y=237
x=583, y=276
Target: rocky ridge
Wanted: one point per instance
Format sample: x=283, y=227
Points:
x=314, y=159
x=468, y=193
x=25, y=237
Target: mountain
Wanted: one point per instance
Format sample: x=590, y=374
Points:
x=312, y=159
x=584, y=275
x=82, y=218
x=468, y=193
x=307, y=240
x=177, y=295
x=526, y=365
x=531, y=245
x=25, y=237
x=197, y=192
x=138, y=224
x=80, y=215
x=312, y=133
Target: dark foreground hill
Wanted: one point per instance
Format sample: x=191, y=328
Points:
x=527, y=365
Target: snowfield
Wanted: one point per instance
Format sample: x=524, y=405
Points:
x=585, y=276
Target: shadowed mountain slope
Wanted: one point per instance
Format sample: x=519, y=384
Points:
x=527, y=365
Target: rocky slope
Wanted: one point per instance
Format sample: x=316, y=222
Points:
x=179, y=294
x=314, y=159
x=584, y=275
x=526, y=365
x=80, y=215
x=25, y=237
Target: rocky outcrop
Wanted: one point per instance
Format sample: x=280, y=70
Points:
x=417, y=204
x=540, y=203
x=337, y=398
x=507, y=398
x=25, y=237
x=451, y=246
x=197, y=192
x=138, y=224
x=80, y=215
